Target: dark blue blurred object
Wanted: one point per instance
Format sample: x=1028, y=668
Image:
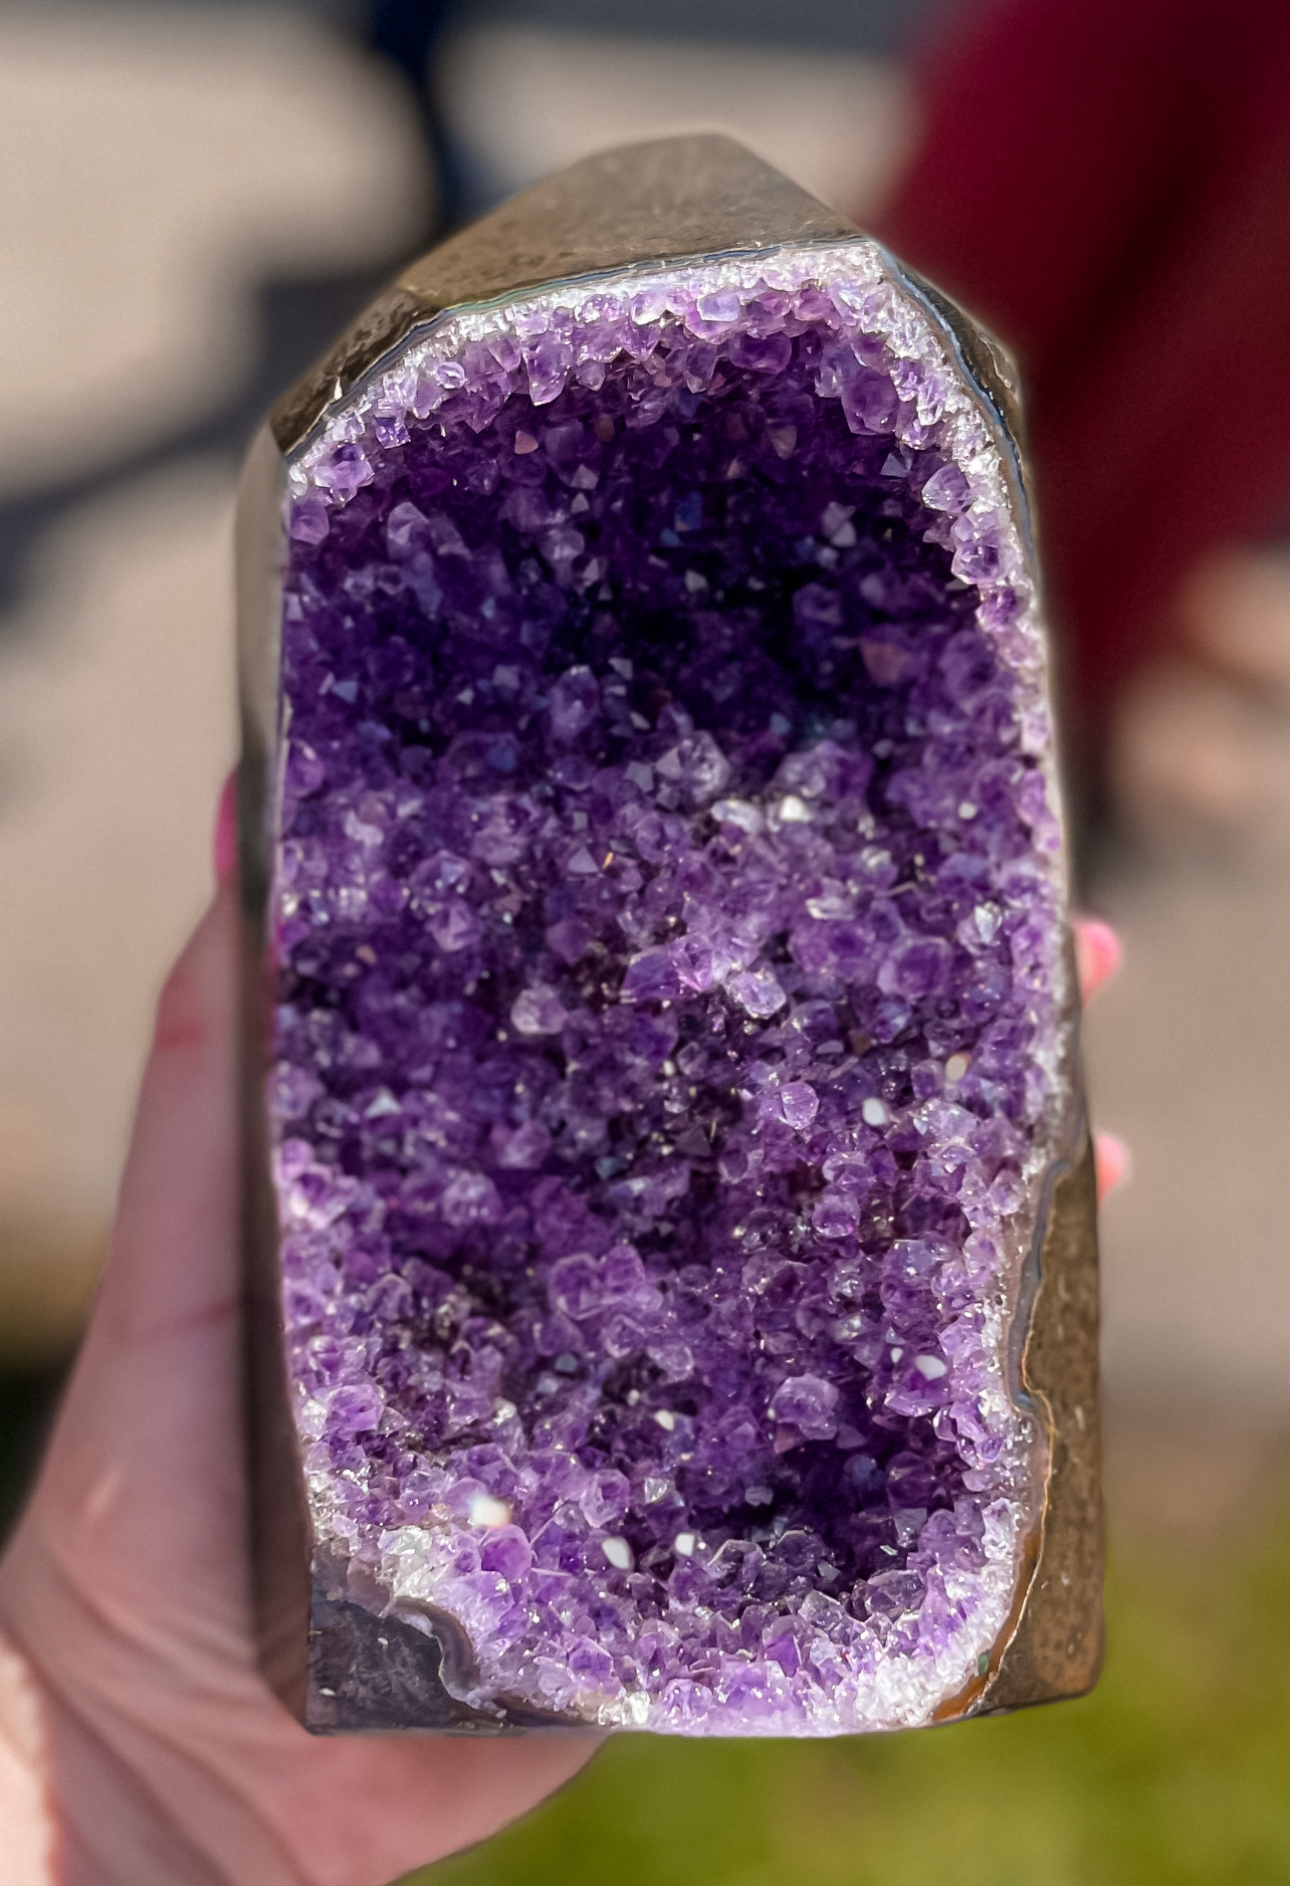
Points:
x=405, y=30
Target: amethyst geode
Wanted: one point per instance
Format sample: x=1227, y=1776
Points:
x=671, y=1041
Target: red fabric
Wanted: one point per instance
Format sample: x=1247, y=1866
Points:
x=1107, y=184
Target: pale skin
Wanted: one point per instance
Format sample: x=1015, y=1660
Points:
x=139, y=1745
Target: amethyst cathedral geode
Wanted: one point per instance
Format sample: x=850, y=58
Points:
x=660, y=988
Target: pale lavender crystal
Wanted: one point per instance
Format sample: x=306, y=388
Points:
x=668, y=915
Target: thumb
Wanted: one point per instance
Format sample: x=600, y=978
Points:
x=151, y=1408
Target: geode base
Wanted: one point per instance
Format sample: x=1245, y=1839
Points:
x=672, y=1271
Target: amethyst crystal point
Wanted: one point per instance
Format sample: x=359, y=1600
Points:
x=671, y=1023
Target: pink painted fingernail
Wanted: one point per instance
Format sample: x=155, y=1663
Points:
x=1098, y=952
x=1113, y=1162
x=225, y=844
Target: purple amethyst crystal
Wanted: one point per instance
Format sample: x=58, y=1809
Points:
x=671, y=1037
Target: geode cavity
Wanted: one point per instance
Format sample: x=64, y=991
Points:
x=669, y=1020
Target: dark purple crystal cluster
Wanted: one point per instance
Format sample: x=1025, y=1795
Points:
x=668, y=1052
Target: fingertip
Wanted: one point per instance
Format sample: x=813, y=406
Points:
x=1113, y=1163
x=1098, y=954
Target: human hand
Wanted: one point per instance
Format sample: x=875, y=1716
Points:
x=139, y=1746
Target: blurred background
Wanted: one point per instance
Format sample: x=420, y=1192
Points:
x=194, y=198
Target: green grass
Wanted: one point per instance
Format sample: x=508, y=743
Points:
x=1175, y=1772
